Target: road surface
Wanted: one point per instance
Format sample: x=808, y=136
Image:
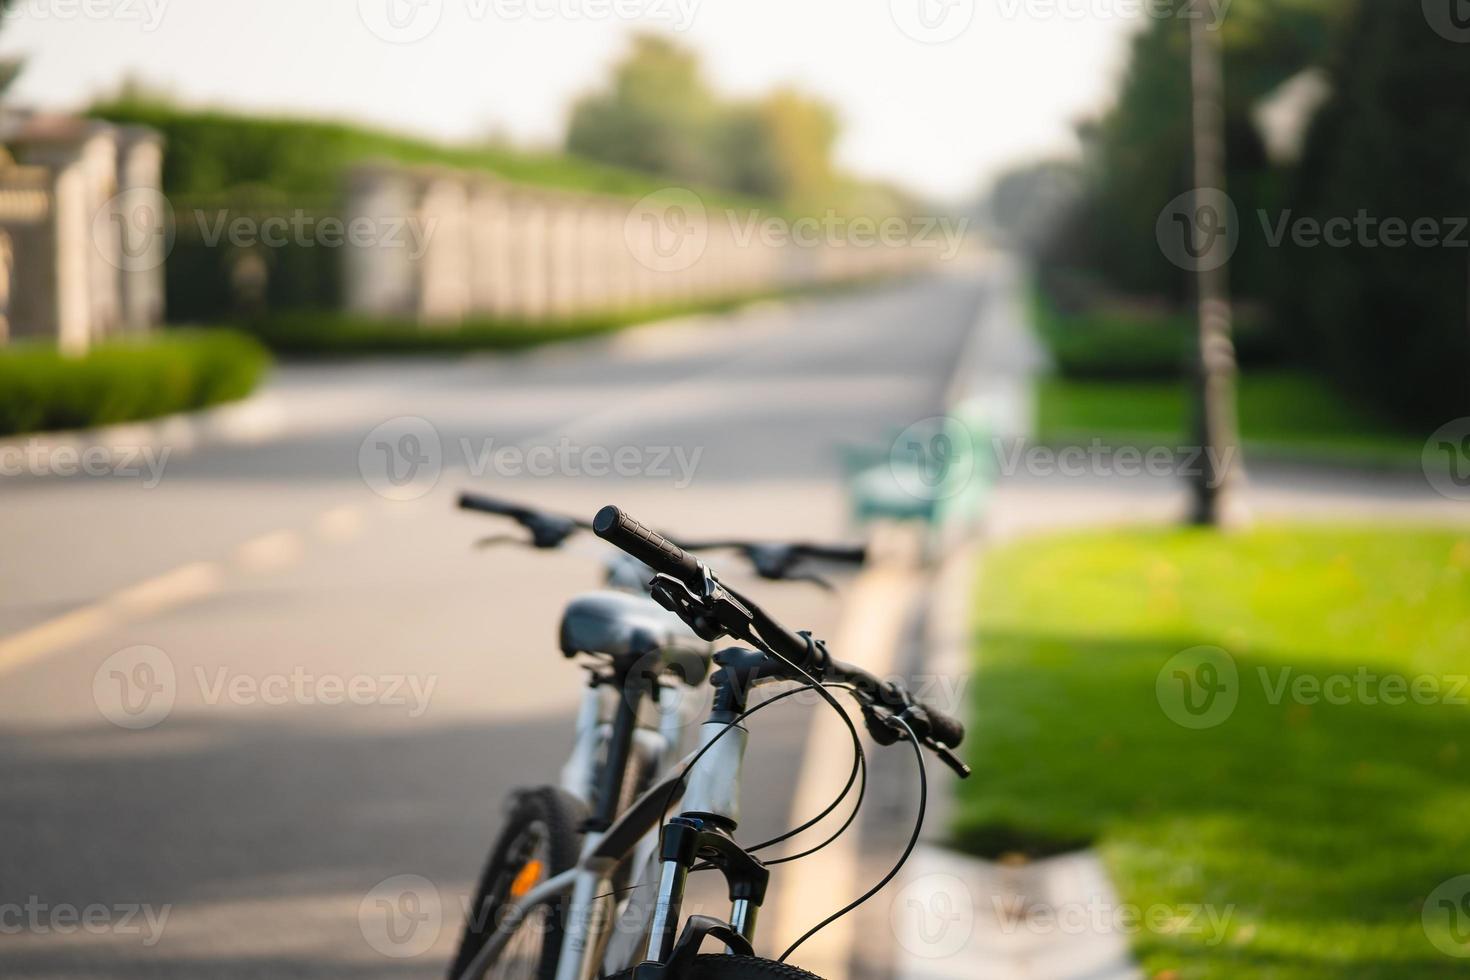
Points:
x=239, y=698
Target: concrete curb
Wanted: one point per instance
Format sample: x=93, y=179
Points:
x=956, y=917
x=140, y=445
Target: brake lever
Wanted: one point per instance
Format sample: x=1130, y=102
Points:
x=888, y=728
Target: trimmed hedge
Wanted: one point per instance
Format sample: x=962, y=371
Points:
x=1114, y=341
x=323, y=334
x=124, y=381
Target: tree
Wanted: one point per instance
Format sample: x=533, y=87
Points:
x=1389, y=321
x=657, y=115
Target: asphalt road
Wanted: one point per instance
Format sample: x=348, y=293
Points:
x=241, y=823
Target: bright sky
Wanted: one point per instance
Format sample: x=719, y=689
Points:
x=935, y=94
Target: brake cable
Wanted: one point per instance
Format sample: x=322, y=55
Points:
x=902, y=859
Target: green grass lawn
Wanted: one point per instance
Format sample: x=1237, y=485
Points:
x=1318, y=825
x=1282, y=413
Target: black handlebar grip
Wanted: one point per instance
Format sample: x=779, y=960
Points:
x=945, y=729
x=648, y=546
x=488, y=505
x=852, y=555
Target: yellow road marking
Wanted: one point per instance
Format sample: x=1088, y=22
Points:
x=144, y=599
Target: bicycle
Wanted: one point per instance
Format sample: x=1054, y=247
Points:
x=640, y=654
x=555, y=921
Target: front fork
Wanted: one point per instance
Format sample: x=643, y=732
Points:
x=711, y=814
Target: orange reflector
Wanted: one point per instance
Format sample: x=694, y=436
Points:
x=526, y=880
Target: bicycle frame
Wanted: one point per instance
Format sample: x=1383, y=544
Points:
x=711, y=798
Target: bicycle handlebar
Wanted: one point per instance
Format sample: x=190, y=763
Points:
x=776, y=561
x=713, y=606
x=648, y=546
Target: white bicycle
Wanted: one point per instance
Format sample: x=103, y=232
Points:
x=582, y=884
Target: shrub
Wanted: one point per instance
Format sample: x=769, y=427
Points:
x=1109, y=338
x=124, y=381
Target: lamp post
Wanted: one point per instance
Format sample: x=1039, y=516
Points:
x=1215, y=484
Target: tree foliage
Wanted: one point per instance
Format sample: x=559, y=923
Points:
x=658, y=115
x=1390, y=322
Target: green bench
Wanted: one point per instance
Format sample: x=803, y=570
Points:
x=938, y=473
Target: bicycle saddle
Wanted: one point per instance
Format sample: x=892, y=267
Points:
x=618, y=624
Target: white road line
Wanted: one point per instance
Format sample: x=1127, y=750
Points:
x=271, y=552
x=167, y=591
x=868, y=634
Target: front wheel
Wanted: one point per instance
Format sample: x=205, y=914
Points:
x=718, y=966
x=541, y=839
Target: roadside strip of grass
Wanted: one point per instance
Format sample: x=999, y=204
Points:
x=1296, y=823
x=125, y=380
x=1283, y=413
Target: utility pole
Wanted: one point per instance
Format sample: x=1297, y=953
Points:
x=1216, y=483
